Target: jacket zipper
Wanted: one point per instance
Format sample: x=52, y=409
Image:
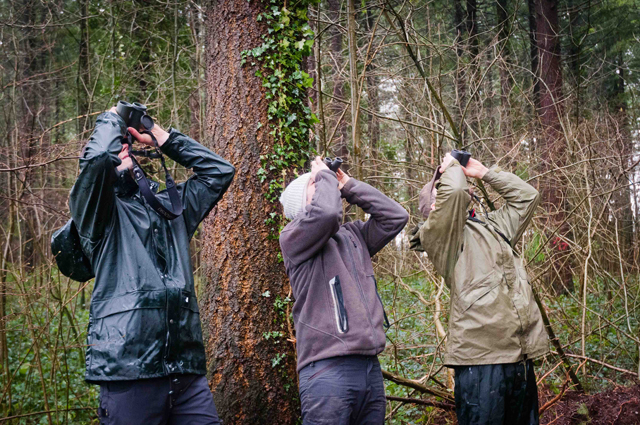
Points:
x=166, y=308
x=355, y=271
x=340, y=311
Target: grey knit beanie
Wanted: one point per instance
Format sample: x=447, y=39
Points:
x=294, y=197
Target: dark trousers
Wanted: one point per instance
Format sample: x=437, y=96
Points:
x=501, y=394
x=173, y=400
x=345, y=390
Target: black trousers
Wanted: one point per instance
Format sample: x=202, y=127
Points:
x=346, y=390
x=501, y=394
x=173, y=400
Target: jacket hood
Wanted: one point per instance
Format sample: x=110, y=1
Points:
x=425, y=198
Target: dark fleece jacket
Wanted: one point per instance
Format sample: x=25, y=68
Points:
x=337, y=308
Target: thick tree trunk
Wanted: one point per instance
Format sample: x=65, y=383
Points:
x=243, y=274
x=552, y=146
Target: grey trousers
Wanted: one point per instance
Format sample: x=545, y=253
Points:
x=500, y=394
x=172, y=400
x=345, y=390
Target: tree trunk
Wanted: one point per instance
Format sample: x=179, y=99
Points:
x=339, y=145
x=504, y=32
x=472, y=27
x=461, y=86
x=82, y=87
x=355, y=95
x=624, y=144
x=253, y=379
x=373, y=122
x=552, y=146
x=533, y=56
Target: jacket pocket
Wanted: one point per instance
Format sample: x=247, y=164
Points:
x=342, y=322
x=476, y=290
x=185, y=331
x=129, y=301
x=387, y=325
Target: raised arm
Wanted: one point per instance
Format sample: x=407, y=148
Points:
x=441, y=234
x=211, y=179
x=312, y=228
x=388, y=217
x=521, y=200
x=92, y=199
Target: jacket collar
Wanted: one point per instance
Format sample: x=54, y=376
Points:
x=125, y=185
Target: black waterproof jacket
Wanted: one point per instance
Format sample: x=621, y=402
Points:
x=144, y=320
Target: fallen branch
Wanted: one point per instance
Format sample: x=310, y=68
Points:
x=44, y=412
x=439, y=405
x=417, y=386
x=618, y=369
x=554, y=400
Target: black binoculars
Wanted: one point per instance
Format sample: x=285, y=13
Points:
x=333, y=164
x=134, y=115
x=461, y=156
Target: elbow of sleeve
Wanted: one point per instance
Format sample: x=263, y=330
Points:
x=331, y=220
x=460, y=194
x=403, y=219
x=231, y=173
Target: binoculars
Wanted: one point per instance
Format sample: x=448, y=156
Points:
x=134, y=115
x=461, y=156
x=333, y=164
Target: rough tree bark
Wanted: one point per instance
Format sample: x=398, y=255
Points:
x=551, y=143
x=240, y=258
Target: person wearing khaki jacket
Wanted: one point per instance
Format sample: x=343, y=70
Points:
x=495, y=326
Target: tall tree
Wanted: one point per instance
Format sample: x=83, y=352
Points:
x=339, y=147
x=504, y=33
x=551, y=143
x=244, y=275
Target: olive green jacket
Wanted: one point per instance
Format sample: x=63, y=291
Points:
x=493, y=316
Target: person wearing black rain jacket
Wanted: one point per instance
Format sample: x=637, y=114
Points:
x=144, y=342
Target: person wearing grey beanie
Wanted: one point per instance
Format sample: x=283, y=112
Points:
x=294, y=197
x=338, y=315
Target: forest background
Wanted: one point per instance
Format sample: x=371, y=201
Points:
x=547, y=89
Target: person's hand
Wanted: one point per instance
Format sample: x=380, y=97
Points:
x=475, y=169
x=445, y=162
x=127, y=163
x=316, y=166
x=114, y=110
x=343, y=178
x=145, y=139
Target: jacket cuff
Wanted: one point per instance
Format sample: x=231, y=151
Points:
x=492, y=174
x=173, y=145
x=346, y=190
x=327, y=173
x=112, y=116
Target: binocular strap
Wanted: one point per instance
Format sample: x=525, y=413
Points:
x=147, y=193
